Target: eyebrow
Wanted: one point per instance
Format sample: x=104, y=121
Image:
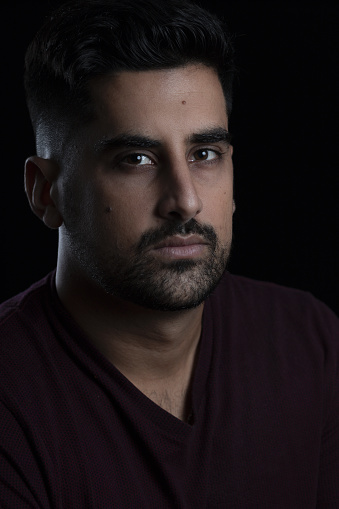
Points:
x=126, y=140
x=213, y=135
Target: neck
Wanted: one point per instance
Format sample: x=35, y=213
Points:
x=153, y=349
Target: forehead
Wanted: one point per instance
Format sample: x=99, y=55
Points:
x=159, y=102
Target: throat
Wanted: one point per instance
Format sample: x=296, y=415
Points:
x=170, y=389
x=162, y=370
x=175, y=400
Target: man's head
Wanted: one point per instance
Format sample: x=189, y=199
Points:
x=85, y=39
x=134, y=159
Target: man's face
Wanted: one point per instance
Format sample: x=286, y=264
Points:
x=147, y=199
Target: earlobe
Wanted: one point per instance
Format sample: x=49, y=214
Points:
x=40, y=176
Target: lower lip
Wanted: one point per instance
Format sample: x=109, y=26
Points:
x=181, y=252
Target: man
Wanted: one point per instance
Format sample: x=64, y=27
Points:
x=140, y=373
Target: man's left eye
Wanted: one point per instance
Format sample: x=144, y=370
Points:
x=204, y=154
x=137, y=159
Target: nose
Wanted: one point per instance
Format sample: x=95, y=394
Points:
x=179, y=200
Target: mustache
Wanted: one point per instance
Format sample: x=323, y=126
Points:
x=192, y=226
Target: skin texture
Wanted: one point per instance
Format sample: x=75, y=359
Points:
x=117, y=206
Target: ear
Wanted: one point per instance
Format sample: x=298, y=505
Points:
x=40, y=174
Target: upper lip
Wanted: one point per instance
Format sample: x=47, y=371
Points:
x=177, y=241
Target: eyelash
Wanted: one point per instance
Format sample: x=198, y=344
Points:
x=218, y=156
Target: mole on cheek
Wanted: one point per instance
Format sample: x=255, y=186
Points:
x=183, y=102
x=108, y=210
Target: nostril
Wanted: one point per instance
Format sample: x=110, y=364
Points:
x=175, y=215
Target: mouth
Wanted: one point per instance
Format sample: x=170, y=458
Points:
x=181, y=247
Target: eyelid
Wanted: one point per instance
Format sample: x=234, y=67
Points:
x=218, y=146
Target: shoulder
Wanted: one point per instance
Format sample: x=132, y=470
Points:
x=242, y=285
x=23, y=326
x=25, y=303
x=287, y=332
x=263, y=297
x=268, y=313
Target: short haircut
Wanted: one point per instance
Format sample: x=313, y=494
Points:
x=85, y=39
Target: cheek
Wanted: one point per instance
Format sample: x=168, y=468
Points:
x=218, y=208
x=225, y=219
x=122, y=220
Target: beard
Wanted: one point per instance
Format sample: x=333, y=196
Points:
x=150, y=282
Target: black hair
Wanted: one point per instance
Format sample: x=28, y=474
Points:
x=84, y=39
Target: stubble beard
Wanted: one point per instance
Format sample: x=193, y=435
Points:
x=150, y=282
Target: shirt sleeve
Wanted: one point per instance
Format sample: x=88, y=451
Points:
x=21, y=482
x=328, y=485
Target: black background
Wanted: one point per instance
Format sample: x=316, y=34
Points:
x=285, y=128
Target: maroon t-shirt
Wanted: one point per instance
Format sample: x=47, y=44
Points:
x=76, y=434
